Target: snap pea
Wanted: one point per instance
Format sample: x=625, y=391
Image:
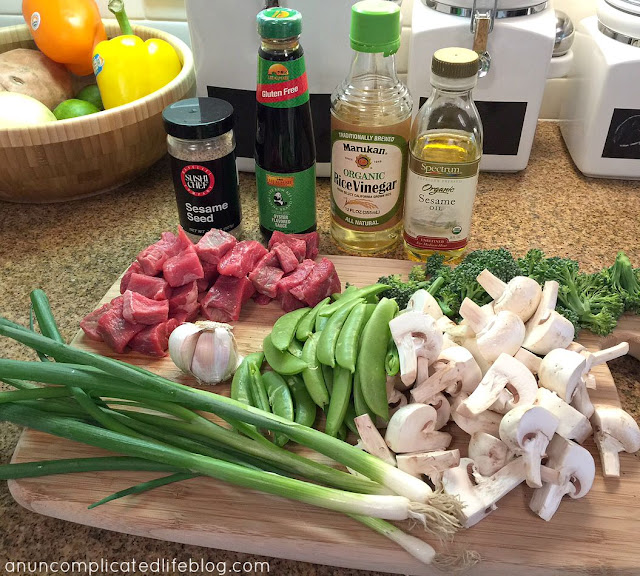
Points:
x=327, y=374
x=343, y=432
x=280, y=401
x=349, y=418
x=342, y=384
x=365, y=293
x=392, y=359
x=370, y=365
x=295, y=348
x=359, y=404
x=349, y=337
x=258, y=389
x=312, y=374
x=370, y=308
x=307, y=324
x=331, y=331
x=282, y=362
x=241, y=384
x=285, y=328
x=347, y=291
x=305, y=407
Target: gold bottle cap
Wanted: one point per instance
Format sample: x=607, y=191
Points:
x=455, y=63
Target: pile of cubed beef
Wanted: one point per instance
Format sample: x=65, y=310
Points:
x=175, y=281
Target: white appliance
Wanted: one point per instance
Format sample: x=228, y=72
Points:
x=225, y=44
x=517, y=37
x=600, y=115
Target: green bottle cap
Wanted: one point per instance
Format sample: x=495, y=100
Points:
x=375, y=26
x=277, y=23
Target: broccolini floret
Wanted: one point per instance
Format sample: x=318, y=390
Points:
x=624, y=280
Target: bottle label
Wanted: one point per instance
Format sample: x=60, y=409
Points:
x=282, y=84
x=439, y=204
x=367, y=178
x=207, y=194
x=287, y=202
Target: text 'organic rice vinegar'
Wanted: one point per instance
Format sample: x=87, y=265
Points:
x=370, y=123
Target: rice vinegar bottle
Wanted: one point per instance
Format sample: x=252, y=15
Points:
x=370, y=124
x=445, y=151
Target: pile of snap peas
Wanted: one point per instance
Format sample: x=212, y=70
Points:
x=336, y=355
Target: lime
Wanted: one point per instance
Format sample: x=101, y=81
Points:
x=73, y=108
x=91, y=93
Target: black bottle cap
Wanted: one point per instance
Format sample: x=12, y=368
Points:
x=198, y=118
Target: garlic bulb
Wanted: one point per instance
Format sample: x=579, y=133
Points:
x=206, y=350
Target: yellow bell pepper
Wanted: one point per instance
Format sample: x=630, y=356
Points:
x=127, y=68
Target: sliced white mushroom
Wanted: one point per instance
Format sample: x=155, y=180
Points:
x=506, y=372
x=486, y=421
x=471, y=344
x=415, y=334
x=488, y=452
x=581, y=401
x=372, y=441
x=443, y=408
x=600, y=357
x=412, y=429
x=431, y=464
x=498, y=334
x=576, y=471
x=561, y=371
x=423, y=301
x=479, y=500
x=530, y=360
x=547, y=329
x=521, y=295
x=614, y=431
x=572, y=424
x=527, y=430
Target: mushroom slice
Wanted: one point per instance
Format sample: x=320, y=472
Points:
x=495, y=335
x=581, y=401
x=412, y=429
x=527, y=430
x=521, y=295
x=561, y=371
x=372, y=441
x=488, y=452
x=415, y=334
x=486, y=421
x=506, y=372
x=614, y=431
x=423, y=301
x=529, y=359
x=547, y=329
x=572, y=424
x=605, y=355
x=576, y=470
x=479, y=499
x=431, y=464
x=443, y=408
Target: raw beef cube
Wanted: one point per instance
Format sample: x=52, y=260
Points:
x=134, y=268
x=261, y=299
x=265, y=280
x=182, y=268
x=149, y=286
x=114, y=329
x=154, y=340
x=89, y=323
x=297, y=276
x=297, y=245
x=153, y=257
x=210, y=271
x=183, y=316
x=312, y=240
x=214, y=245
x=242, y=258
x=184, y=299
x=288, y=302
x=202, y=284
x=319, y=284
x=226, y=297
x=286, y=258
x=139, y=309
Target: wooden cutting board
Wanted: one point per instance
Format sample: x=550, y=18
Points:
x=598, y=532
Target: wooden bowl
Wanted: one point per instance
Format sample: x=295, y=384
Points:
x=84, y=156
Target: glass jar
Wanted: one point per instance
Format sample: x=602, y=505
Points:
x=201, y=146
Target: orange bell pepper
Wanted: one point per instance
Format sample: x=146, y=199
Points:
x=66, y=31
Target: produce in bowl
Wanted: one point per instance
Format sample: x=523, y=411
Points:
x=20, y=110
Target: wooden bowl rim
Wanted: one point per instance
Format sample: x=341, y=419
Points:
x=138, y=109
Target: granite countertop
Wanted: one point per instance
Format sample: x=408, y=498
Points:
x=76, y=250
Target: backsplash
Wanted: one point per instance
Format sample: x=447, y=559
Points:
x=170, y=16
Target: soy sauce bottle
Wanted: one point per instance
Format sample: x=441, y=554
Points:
x=285, y=152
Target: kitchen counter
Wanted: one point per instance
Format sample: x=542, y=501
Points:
x=75, y=251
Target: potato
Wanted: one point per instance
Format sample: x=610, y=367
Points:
x=32, y=73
